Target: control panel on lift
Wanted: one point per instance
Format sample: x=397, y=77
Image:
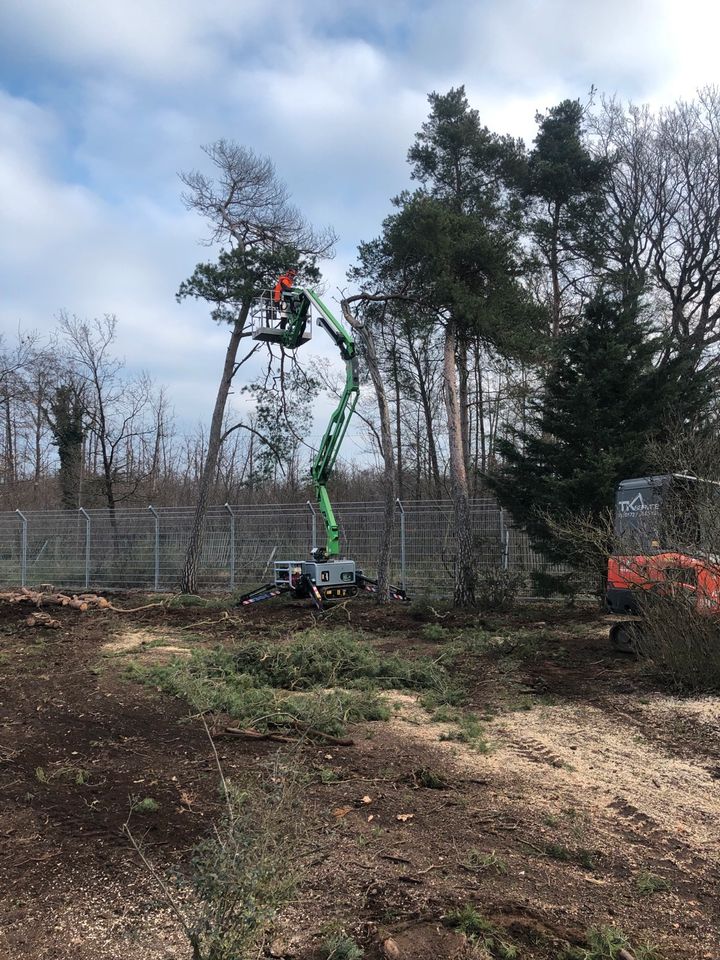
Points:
x=270, y=320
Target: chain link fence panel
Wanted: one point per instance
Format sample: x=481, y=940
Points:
x=144, y=547
x=11, y=548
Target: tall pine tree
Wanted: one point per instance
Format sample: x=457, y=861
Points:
x=565, y=185
x=454, y=248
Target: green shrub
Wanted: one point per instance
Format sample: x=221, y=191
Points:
x=485, y=862
x=546, y=584
x=497, y=588
x=341, y=947
x=481, y=932
x=435, y=632
x=424, y=777
x=245, y=869
x=605, y=943
x=184, y=600
x=337, y=658
x=327, y=775
x=585, y=858
x=470, y=731
x=648, y=883
x=146, y=805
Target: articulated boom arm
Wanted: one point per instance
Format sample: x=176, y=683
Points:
x=300, y=300
x=324, y=578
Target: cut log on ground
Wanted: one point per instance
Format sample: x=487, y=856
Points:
x=40, y=619
x=80, y=602
x=311, y=732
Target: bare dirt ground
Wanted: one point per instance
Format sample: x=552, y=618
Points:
x=594, y=777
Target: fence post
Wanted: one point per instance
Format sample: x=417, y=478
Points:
x=232, y=545
x=311, y=508
x=23, y=548
x=154, y=512
x=504, y=541
x=84, y=512
x=401, y=508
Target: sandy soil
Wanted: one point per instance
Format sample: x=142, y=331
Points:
x=593, y=777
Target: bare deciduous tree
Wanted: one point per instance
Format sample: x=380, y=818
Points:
x=247, y=205
x=15, y=359
x=366, y=333
x=662, y=228
x=115, y=407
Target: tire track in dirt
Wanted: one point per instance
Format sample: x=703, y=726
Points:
x=644, y=828
x=580, y=757
x=536, y=752
x=586, y=757
x=581, y=805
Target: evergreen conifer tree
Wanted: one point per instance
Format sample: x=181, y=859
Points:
x=605, y=399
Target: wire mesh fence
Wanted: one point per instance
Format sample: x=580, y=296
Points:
x=145, y=547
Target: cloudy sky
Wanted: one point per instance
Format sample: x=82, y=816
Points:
x=102, y=103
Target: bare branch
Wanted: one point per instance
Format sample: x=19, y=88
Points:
x=247, y=205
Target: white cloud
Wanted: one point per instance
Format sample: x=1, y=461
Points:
x=687, y=48
x=157, y=40
x=116, y=98
x=64, y=247
x=37, y=211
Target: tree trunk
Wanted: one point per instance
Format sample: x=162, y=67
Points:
x=69, y=474
x=429, y=425
x=418, y=457
x=480, y=461
x=10, y=466
x=555, y=270
x=390, y=479
x=463, y=401
x=157, y=446
x=464, y=592
x=398, y=420
x=188, y=580
x=38, y=436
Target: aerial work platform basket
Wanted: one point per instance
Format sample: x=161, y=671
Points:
x=270, y=320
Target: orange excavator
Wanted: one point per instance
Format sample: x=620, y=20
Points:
x=665, y=529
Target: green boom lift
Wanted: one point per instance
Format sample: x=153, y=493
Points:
x=326, y=577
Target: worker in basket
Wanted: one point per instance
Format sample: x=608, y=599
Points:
x=285, y=282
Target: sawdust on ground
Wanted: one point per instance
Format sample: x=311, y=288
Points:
x=580, y=757
x=706, y=708
x=134, y=640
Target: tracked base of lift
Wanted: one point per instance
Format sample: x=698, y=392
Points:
x=323, y=581
x=333, y=579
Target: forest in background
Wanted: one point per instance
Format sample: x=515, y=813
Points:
x=532, y=322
